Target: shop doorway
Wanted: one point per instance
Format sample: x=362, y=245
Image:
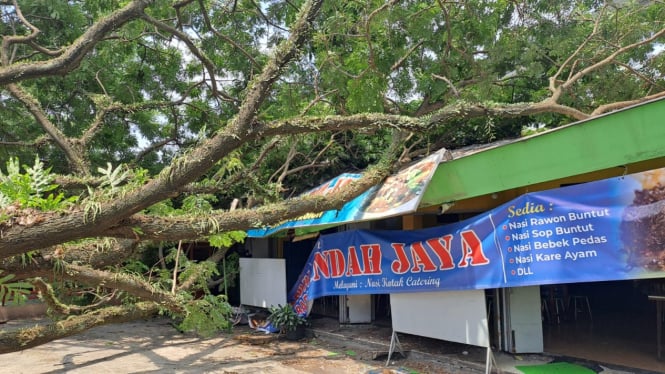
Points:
x=611, y=322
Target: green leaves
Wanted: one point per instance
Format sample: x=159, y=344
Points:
x=366, y=94
x=285, y=317
x=31, y=188
x=113, y=177
x=196, y=204
x=226, y=239
x=207, y=315
x=22, y=188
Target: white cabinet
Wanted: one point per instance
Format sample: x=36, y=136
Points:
x=523, y=324
x=355, y=309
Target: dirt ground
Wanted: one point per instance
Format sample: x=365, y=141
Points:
x=155, y=346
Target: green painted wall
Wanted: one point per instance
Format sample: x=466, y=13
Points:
x=620, y=138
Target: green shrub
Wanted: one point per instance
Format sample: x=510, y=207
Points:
x=285, y=318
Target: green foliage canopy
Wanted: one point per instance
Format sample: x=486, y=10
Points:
x=155, y=121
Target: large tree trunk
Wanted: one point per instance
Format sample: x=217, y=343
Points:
x=24, y=338
x=184, y=170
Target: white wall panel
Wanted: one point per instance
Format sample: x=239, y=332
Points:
x=262, y=282
x=457, y=316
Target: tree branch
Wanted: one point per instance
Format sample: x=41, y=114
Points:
x=184, y=170
x=623, y=104
x=208, y=65
x=43, y=263
x=20, y=339
x=133, y=285
x=72, y=55
x=77, y=162
x=8, y=41
x=191, y=280
x=368, y=37
x=558, y=90
x=56, y=306
x=610, y=58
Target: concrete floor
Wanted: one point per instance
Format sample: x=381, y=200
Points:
x=614, y=337
x=611, y=342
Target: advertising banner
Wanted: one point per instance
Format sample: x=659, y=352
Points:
x=398, y=194
x=611, y=229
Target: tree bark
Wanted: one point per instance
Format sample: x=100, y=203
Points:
x=55, y=229
x=181, y=172
x=20, y=339
x=72, y=55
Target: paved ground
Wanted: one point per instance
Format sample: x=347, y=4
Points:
x=154, y=346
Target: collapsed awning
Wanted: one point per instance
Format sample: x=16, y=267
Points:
x=397, y=195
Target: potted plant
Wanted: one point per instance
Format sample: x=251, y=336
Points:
x=289, y=323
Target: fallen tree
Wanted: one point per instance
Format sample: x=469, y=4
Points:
x=132, y=126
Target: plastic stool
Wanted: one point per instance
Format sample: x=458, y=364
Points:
x=545, y=310
x=580, y=301
x=559, y=308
